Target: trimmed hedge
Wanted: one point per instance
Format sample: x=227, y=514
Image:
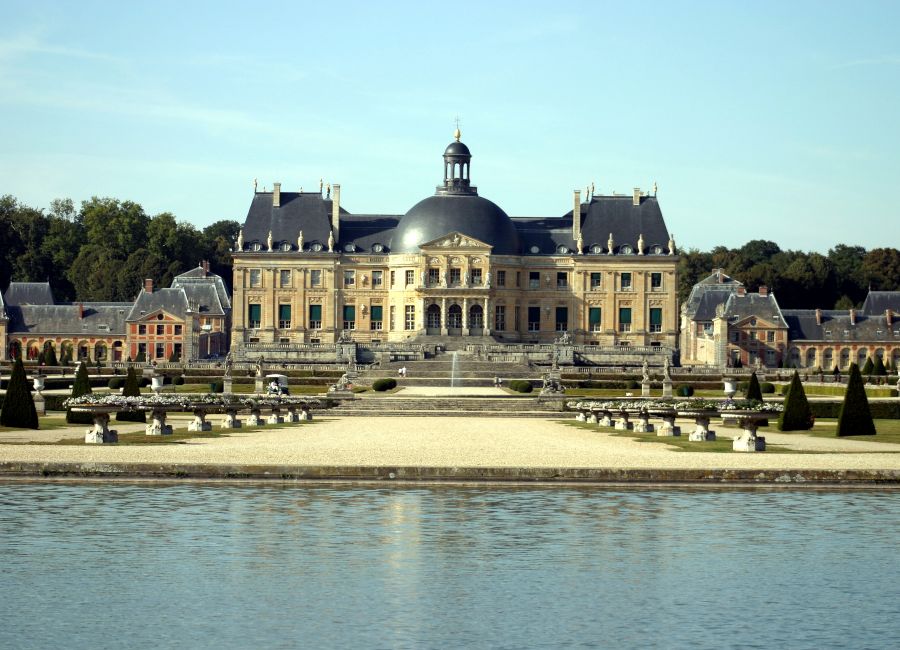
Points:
x=766, y=387
x=178, y=381
x=520, y=386
x=217, y=387
x=753, y=390
x=684, y=390
x=131, y=389
x=796, y=415
x=383, y=384
x=116, y=383
x=18, y=408
x=855, y=418
x=82, y=386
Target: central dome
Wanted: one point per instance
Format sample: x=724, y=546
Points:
x=468, y=214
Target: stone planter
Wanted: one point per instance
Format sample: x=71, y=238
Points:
x=157, y=425
x=643, y=423
x=199, y=422
x=255, y=418
x=231, y=420
x=622, y=422
x=748, y=441
x=275, y=417
x=701, y=432
x=668, y=426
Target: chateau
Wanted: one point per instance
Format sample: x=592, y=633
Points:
x=454, y=268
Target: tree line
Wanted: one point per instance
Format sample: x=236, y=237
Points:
x=800, y=280
x=105, y=249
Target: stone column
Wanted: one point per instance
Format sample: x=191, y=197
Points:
x=465, y=316
x=487, y=316
x=420, y=317
x=443, y=317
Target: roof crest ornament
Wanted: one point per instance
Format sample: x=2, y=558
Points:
x=456, y=133
x=240, y=240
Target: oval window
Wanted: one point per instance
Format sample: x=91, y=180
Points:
x=562, y=250
x=377, y=248
x=596, y=249
x=535, y=249
x=285, y=246
x=317, y=247
x=349, y=248
x=626, y=250
x=256, y=246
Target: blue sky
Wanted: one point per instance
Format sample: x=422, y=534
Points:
x=774, y=120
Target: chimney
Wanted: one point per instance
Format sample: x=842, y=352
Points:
x=206, y=266
x=576, y=216
x=336, y=212
x=636, y=196
x=764, y=290
x=853, y=317
x=80, y=310
x=276, y=195
x=818, y=317
x=742, y=291
x=719, y=277
x=889, y=317
x=148, y=285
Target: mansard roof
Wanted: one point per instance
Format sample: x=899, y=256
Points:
x=173, y=301
x=29, y=293
x=836, y=326
x=306, y=211
x=617, y=215
x=877, y=302
x=200, y=277
x=82, y=319
x=708, y=294
x=741, y=306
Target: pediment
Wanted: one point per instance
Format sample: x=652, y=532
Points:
x=761, y=323
x=154, y=317
x=456, y=240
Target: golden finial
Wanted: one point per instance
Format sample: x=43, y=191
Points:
x=456, y=133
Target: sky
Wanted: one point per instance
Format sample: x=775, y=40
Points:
x=758, y=120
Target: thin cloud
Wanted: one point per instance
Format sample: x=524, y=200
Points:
x=24, y=44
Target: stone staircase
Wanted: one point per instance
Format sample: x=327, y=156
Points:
x=507, y=407
x=439, y=372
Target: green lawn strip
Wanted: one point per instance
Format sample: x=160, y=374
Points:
x=46, y=424
x=636, y=392
x=681, y=443
x=887, y=430
x=182, y=435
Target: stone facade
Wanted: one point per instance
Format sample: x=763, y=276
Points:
x=455, y=267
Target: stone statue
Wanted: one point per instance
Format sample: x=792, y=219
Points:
x=300, y=241
x=610, y=244
x=579, y=245
x=240, y=240
x=269, y=241
x=666, y=369
x=654, y=188
x=259, y=365
x=487, y=280
x=423, y=278
x=321, y=184
x=645, y=372
x=671, y=244
x=229, y=362
x=328, y=191
x=331, y=240
x=254, y=185
x=443, y=278
x=641, y=244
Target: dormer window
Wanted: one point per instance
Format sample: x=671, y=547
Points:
x=597, y=249
x=256, y=246
x=349, y=248
x=377, y=248
x=316, y=247
x=285, y=246
x=625, y=249
x=534, y=250
x=656, y=250
x=562, y=250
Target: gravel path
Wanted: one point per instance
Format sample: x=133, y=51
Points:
x=458, y=442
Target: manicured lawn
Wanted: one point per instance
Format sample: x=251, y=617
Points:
x=636, y=392
x=680, y=443
x=886, y=430
x=46, y=423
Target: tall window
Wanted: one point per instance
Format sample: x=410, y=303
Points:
x=534, y=280
x=410, y=277
x=518, y=279
x=160, y=330
x=434, y=277
x=562, y=319
x=393, y=314
x=500, y=317
x=433, y=317
x=455, y=276
x=349, y=317
x=624, y=319
x=501, y=278
x=255, y=278
x=594, y=315
x=178, y=330
x=160, y=350
x=770, y=336
x=284, y=278
x=142, y=329
x=595, y=281
x=142, y=349
x=315, y=277
x=375, y=317
x=626, y=282
x=377, y=278
x=562, y=280
x=655, y=281
x=315, y=317
x=409, y=320
x=176, y=351
x=518, y=318
x=393, y=279
x=349, y=278
x=656, y=319
x=284, y=317
x=534, y=319
x=476, y=277
x=254, y=315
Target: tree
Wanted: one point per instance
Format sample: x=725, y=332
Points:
x=880, y=268
x=796, y=415
x=855, y=418
x=48, y=356
x=118, y=225
x=868, y=367
x=141, y=357
x=754, y=392
x=878, y=368
x=131, y=389
x=18, y=406
x=82, y=386
x=846, y=261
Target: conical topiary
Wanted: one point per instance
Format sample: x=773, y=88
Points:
x=753, y=390
x=855, y=418
x=131, y=389
x=50, y=355
x=82, y=386
x=868, y=366
x=18, y=406
x=796, y=415
x=878, y=367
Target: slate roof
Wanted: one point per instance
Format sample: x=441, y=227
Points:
x=173, y=301
x=204, y=298
x=708, y=294
x=877, y=302
x=739, y=307
x=307, y=211
x=29, y=293
x=627, y=222
x=198, y=276
x=836, y=326
x=99, y=318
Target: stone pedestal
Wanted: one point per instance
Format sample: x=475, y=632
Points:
x=101, y=433
x=667, y=387
x=592, y=418
x=275, y=417
x=227, y=385
x=40, y=404
x=643, y=424
x=291, y=415
x=199, y=423
x=157, y=425
x=748, y=441
x=668, y=428
x=231, y=420
x=255, y=418
x=702, y=432
x=580, y=417
x=605, y=420
x=645, y=389
x=305, y=413
x=622, y=423
x=259, y=385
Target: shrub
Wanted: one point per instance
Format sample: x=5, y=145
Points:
x=383, y=384
x=179, y=380
x=217, y=387
x=116, y=383
x=49, y=356
x=18, y=406
x=868, y=366
x=82, y=386
x=753, y=390
x=520, y=386
x=631, y=383
x=796, y=415
x=684, y=390
x=855, y=418
x=766, y=387
x=141, y=357
x=131, y=389
x=878, y=367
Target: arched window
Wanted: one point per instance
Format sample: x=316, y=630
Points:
x=433, y=317
x=845, y=358
x=861, y=355
x=100, y=351
x=476, y=317
x=811, y=358
x=454, y=316
x=827, y=359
